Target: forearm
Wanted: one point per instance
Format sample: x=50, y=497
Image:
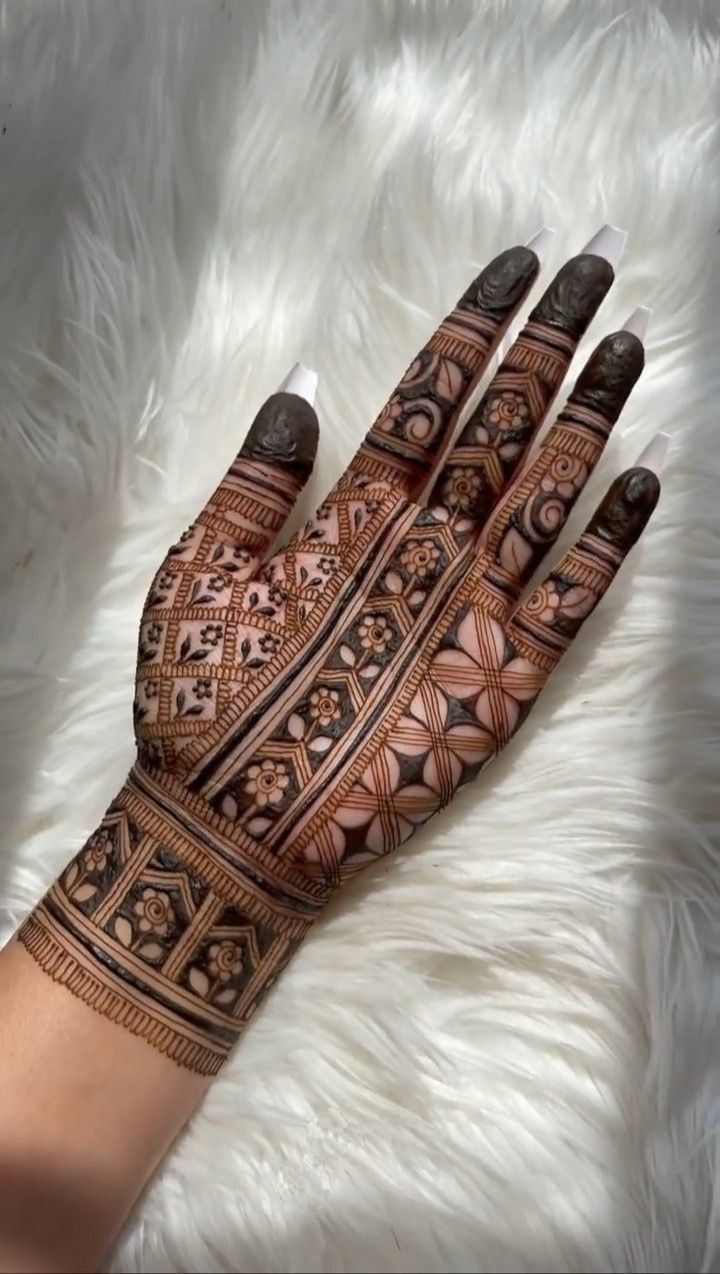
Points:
x=86, y=1113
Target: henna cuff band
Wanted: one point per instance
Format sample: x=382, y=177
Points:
x=145, y=927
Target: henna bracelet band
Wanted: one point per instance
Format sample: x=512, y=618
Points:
x=163, y=925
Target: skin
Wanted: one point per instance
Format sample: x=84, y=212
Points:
x=298, y=714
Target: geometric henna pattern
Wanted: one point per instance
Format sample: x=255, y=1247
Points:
x=298, y=715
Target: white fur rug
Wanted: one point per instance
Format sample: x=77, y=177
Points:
x=500, y=1051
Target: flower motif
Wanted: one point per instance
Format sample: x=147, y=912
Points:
x=151, y=689
x=266, y=782
x=543, y=604
x=155, y=912
x=374, y=633
x=202, y=688
x=166, y=580
x=276, y=595
x=268, y=644
x=419, y=558
x=210, y=635
x=508, y=410
x=186, y=535
x=484, y=667
x=328, y=564
x=390, y=413
x=153, y=633
x=325, y=705
x=217, y=583
x=566, y=475
x=425, y=730
x=323, y=513
x=461, y=488
x=389, y=813
x=99, y=850
x=242, y=555
x=225, y=960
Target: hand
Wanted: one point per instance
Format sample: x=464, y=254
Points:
x=299, y=714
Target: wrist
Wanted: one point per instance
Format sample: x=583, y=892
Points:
x=167, y=926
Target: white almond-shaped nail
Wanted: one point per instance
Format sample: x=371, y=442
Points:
x=540, y=242
x=608, y=243
x=638, y=322
x=653, y=456
x=302, y=381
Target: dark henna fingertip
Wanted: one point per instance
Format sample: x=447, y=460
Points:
x=627, y=508
x=284, y=432
x=605, y=383
x=575, y=294
x=503, y=283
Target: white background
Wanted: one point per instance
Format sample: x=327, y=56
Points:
x=500, y=1049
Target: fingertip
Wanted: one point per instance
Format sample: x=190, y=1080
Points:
x=501, y=286
x=285, y=432
x=575, y=294
x=606, y=381
x=627, y=508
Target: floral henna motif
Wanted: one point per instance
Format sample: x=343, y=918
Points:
x=299, y=715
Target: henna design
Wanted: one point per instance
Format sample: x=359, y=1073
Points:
x=574, y=296
x=299, y=715
x=423, y=408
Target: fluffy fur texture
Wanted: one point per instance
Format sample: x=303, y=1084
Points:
x=499, y=1051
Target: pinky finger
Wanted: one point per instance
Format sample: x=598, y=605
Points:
x=546, y=622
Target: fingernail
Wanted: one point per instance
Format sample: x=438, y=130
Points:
x=302, y=381
x=540, y=242
x=607, y=243
x=638, y=322
x=653, y=456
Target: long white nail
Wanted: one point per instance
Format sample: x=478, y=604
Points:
x=302, y=381
x=653, y=456
x=540, y=242
x=638, y=321
x=608, y=243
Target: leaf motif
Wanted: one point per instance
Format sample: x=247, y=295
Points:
x=515, y=552
x=320, y=744
x=370, y=670
x=151, y=951
x=393, y=582
x=85, y=893
x=347, y=655
x=577, y=602
x=185, y=648
x=197, y=654
x=195, y=711
x=206, y=597
x=195, y=590
x=180, y=700
x=218, y=553
x=449, y=379
x=199, y=981
x=416, y=598
x=71, y=875
x=303, y=575
x=245, y=647
x=229, y=806
x=257, y=826
x=295, y=726
x=123, y=930
x=225, y=997
x=253, y=599
x=255, y=663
